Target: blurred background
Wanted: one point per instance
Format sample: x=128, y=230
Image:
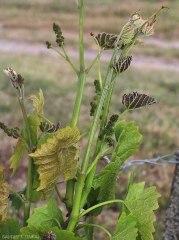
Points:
x=25, y=26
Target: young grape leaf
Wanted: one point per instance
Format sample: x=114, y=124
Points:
x=37, y=232
x=34, y=124
x=9, y=227
x=141, y=203
x=4, y=194
x=119, y=128
x=106, y=180
x=127, y=33
x=50, y=215
x=128, y=139
x=126, y=228
x=38, y=102
x=19, y=151
x=44, y=139
x=59, y=155
x=20, y=148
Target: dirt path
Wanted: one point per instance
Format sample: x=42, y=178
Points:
x=140, y=61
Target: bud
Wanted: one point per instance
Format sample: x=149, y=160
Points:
x=148, y=29
x=16, y=79
x=59, y=37
x=49, y=236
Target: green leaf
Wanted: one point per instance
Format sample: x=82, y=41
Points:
x=4, y=194
x=126, y=228
x=35, y=196
x=128, y=140
x=38, y=102
x=16, y=202
x=106, y=180
x=50, y=215
x=44, y=139
x=141, y=203
x=37, y=232
x=93, y=200
x=20, y=148
x=19, y=151
x=58, y=155
x=9, y=227
x=119, y=128
x=34, y=124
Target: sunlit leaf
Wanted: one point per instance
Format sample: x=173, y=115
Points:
x=126, y=228
x=38, y=102
x=141, y=203
x=59, y=155
x=4, y=194
x=127, y=33
x=19, y=151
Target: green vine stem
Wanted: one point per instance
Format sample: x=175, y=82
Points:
x=45, y=119
x=99, y=205
x=94, y=225
x=30, y=163
x=104, y=119
x=65, y=56
x=81, y=177
x=79, y=95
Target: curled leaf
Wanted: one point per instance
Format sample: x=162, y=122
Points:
x=4, y=194
x=148, y=29
x=123, y=64
x=59, y=155
x=16, y=79
x=137, y=100
x=46, y=127
x=127, y=33
x=38, y=102
x=106, y=40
